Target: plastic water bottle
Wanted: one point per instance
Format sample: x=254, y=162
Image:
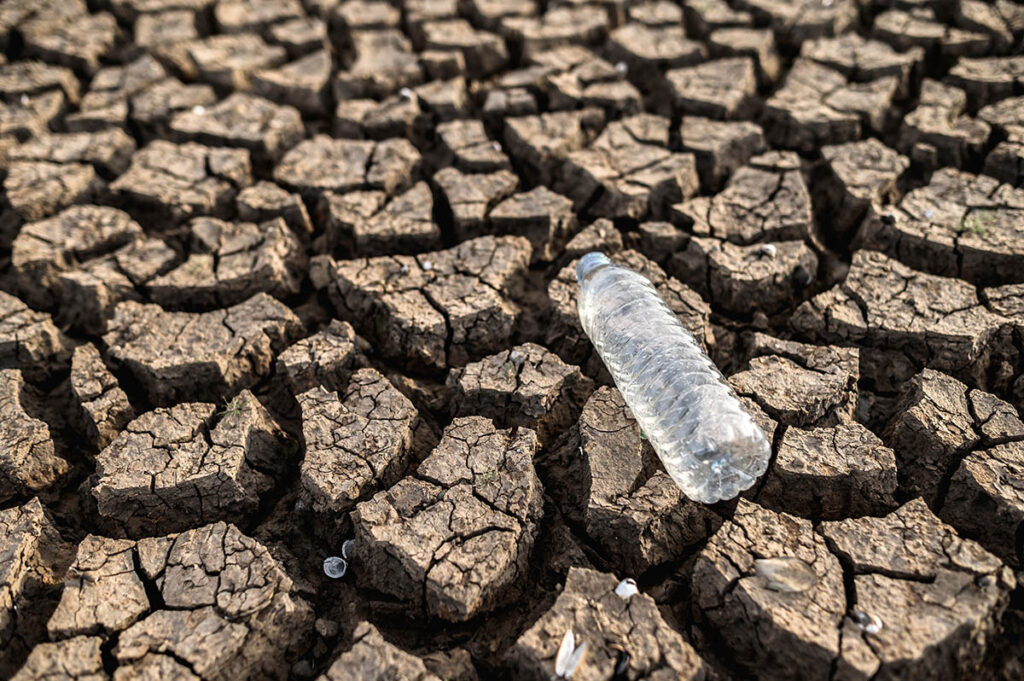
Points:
x=710, y=446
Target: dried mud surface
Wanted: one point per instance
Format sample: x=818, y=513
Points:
x=292, y=383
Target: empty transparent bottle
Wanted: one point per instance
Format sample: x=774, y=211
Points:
x=705, y=438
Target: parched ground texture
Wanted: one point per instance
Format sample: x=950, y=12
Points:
x=286, y=287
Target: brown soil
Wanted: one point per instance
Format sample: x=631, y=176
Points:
x=287, y=281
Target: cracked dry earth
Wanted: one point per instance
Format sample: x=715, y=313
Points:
x=284, y=281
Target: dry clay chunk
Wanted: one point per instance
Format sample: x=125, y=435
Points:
x=109, y=151
x=358, y=440
x=469, y=198
x=931, y=320
x=327, y=164
x=153, y=109
x=436, y=309
x=456, y=536
x=565, y=334
x=864, y=60
x=568, y=24
x=222, y=607
x=229, y=61
x=540, y=215
x=721, y=89
x=365, y=223
x=33, y=78
x=38, y=189
x=648, y=51
x=830, y=473
x=29, y=340
x=938, y=133
x=177, y=182
x=30, y=115
x=102, y=594
x=396, y=116
x=464, y=144
x=918, y=26
x=795, y=21
x=614, y=628
x=104, y=409
x=265, y=201
x=28, y=464
x=230, y=262
x=592, y=82
x=816, y=106
x=44, y=249
x=327, y=358
x=541, y=143
x=484, y=53
x=745, y=279
x=989, y=79
x=801, y=385
x=105, y=105
x=600, y=235
x=783, y=626
x=860, y=174
x=642, y=128
x=937, y=420
x=633, y=509
x=32, y=559
x=1006, y=161
x=371, y=657
x=76, y=659
x=383, y=62
x=720, y=146
x=959, y=225
x=633, y=181
x=242, y=16
x=765, y=200
x=88, y=293
x=266, y=129
x=990, y=480
x=232, y=612
x=113, y=85
x=184, y=355
x=178, y=467
x=926, y=600
x=526, y=386
x=77, y=42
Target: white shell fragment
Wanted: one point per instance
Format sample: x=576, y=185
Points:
x=426, y=266
x=768, y=250
x=871, y=624
x=335, y=567
x=569, y=656
x=627, y=589
x=346, y=546
x=785, y=574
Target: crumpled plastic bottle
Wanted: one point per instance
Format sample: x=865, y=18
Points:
x=707, y=441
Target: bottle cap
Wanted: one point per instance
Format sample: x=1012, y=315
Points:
x=589, y=263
